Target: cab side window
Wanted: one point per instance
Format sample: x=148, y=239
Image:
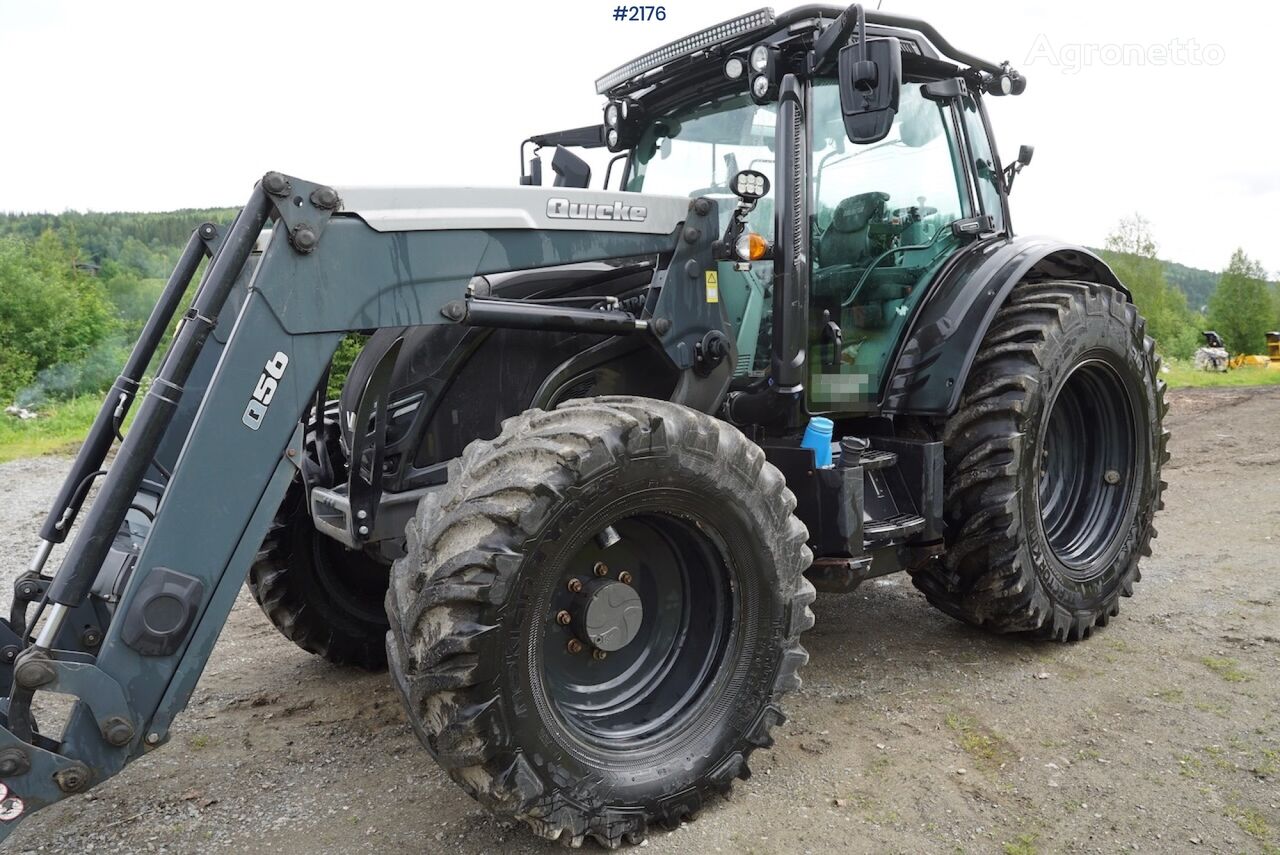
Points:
x=985, y=167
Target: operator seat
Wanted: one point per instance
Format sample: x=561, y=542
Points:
x=846, y=240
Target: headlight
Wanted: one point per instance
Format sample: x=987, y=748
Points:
x=760, y=57
x=760, y=86
x=734, y=67
x=612, y=138
x=611, y=115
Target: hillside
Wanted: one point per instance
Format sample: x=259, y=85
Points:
x=146, y=243
x=1197, y=284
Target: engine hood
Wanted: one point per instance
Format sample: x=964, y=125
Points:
x=391, y=209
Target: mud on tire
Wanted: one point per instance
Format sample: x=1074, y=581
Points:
x=480, y=658
x=1052, y=465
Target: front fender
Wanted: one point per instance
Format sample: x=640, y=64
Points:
x=940, y=345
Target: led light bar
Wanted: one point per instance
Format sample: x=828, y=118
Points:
x=683, y=47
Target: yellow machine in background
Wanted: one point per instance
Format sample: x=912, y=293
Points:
x=1271, y=360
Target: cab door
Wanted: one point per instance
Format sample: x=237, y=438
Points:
x=880, y=226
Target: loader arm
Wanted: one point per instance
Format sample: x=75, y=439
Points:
x=336, y=261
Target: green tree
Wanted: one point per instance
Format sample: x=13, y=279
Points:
x=1240, y=308
x=64, y=330
x=52, y=313
x=1131, y=252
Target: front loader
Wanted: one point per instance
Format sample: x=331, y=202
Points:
x=600, y=446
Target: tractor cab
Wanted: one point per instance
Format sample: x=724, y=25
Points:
x=891, y=151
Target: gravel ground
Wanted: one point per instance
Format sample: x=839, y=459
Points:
x=912, y=733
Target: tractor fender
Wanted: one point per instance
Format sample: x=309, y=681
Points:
x=944, y=336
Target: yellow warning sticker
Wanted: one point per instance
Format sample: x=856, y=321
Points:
x=713, y=286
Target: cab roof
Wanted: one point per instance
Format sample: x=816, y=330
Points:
x=696, y=59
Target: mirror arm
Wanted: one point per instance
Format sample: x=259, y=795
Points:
x=835, y=36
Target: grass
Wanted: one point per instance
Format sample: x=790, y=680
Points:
x=977, y=741
x=1183, y=374
x=1269, y=765
x=59, y=429
x=1024, y=844
x=1251, y=821
x=1189, y=766
x=1227, y=669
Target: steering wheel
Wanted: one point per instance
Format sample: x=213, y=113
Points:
x=913, y=213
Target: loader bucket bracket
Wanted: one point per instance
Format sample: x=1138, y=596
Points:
x=68, y=673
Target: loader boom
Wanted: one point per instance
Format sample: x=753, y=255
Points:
x=385, y=258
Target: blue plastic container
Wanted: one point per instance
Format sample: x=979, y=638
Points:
x=817, y=436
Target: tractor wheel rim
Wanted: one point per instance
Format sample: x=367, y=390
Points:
x=1088, y=467
x=650, y=687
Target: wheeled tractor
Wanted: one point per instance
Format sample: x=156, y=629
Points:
x=601, y=445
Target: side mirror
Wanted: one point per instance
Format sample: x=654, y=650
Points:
x=870, y=75
x=534, y=178
x=570, y=170
x=1011, y=171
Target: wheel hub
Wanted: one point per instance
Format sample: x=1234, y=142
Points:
x=607, y=614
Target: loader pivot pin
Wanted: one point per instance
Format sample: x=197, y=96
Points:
x=117, y=731
x=13, y=762
x=304, y=238
x=325, y=198
x=276, y=184
x=72, y=779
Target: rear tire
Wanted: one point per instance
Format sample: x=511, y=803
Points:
x=323, y=597
x=484, y=617
x=1052, y=465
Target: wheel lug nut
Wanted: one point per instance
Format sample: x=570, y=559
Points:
x=624, y=577
x=598, y=654
x=574, y=585
x=574, y=646
x=1111, y=477
x=563, y=618
x=602, y=569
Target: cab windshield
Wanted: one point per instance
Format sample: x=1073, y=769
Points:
x=696, y=151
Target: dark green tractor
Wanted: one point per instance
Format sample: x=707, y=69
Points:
x=600, y=446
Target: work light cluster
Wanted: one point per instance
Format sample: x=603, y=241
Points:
x=750, y=184
x=621, y=124
x=685, y=46
x=762, y=63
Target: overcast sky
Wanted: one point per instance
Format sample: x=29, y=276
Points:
x=1166, y=109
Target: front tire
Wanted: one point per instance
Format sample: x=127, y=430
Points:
x=598, y=616
x=323, y=597
x=1052, y=465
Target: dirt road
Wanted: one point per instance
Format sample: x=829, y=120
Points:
x=912, y=733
